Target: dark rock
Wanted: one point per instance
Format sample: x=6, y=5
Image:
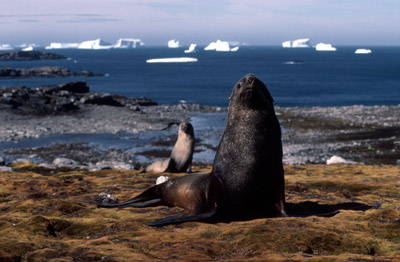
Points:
x=44, y=71
x=62, y=98
x=100, y=99
x=75, y=87
x=28, y=55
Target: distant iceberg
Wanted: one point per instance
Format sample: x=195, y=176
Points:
x=220, y=46
x=363, y=51
x=62, y=45
x=95, y=44
x=173, y=43
x=299, y=43
x=126, y=43
x=192, y=48
x=324, y=47
x=98, y=44
x=234, y=49
x=172, y=60
x=5, y=47
x=287, y=44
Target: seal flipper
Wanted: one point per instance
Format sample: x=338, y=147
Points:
x=178, y=220
x=148, y=198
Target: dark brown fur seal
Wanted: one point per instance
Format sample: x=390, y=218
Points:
x=181, y=156
x=247, y=179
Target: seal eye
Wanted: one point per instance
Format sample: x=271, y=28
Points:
x=239, y=85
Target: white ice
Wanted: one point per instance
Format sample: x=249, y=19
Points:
x=172, y=60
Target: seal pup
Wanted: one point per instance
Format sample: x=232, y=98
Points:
x=181, y=156
x=247, y=178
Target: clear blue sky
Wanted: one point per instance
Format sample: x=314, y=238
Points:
x=256, y=22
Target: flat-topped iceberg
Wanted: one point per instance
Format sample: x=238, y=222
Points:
x=191, y=49
x=220, y=46
x=324, y=47
x=95, y=44
x=125, y=43
x=173, y=43
x=172, y=60
x=62, y=45
x=299, y=43
x=363, y=51
x=98, y=44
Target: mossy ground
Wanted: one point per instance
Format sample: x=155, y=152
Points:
x=50, y=215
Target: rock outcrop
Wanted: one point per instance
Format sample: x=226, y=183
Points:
x=62, y=98
x=28, y=55
x=44, y=71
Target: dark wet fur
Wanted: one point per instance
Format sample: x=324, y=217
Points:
x=247, y=179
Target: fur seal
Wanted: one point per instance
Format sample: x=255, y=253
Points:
x=247, y=178
x=181, y=156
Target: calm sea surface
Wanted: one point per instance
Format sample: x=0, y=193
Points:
x=295, y=77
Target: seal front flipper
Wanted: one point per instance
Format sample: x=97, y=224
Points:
x=178, y=220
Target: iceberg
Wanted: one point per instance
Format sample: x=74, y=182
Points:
x=234, y=49
x=172, y=60
x=29, y=48
x=324, y=47
x=5, y=47
x=122, y=43
x=220, y=46
x=62, y=45
x=192, y=48
x=299, y=43
x=173, y=43
x=363, y=51
x=95, y=44
x=126, y=43
x=287, y=44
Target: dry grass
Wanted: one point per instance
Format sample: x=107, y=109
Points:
x=50, y=216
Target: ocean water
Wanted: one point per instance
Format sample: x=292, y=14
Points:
x=295, y=77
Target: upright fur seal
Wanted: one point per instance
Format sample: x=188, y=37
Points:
x=181, y=156
x=247, y=179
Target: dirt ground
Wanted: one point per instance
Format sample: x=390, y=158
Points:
x=50, y=215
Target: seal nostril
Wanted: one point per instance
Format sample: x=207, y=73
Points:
x=250, y=79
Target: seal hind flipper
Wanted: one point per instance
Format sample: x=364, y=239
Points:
x=182, y=219
x=129, y=203
x=148, y=198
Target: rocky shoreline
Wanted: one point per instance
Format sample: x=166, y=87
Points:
x=73, y=124
x=28, y=56
x=44, y=71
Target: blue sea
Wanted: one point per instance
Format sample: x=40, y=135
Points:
x=295, y=77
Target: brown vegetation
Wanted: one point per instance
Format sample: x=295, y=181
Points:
x=50, y=215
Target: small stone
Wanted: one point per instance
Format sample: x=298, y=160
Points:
x=106, y=198
x=161, y=179
x=6, y=169
x=64, y=162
